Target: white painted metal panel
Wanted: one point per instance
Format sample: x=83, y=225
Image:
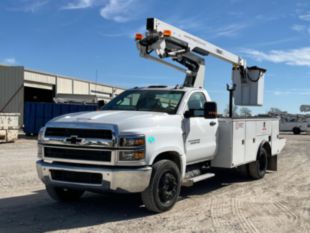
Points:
x=100, y=88
x=223, y=157
x=64, y=86
x=40, y=77
x=251, y=142
x=39, y=85
x=238, y=153
x=81, y=88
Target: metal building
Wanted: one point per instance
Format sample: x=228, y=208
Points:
x=19, y=84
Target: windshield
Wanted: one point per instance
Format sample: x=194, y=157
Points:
x=146, y=100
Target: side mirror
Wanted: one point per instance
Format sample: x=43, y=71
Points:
x=210, y=110
x=188, y=114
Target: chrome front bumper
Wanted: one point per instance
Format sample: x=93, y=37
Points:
x=116, y=179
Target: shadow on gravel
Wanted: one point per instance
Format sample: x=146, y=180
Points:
x=38, y=213
x=222, y=178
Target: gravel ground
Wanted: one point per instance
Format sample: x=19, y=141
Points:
x=226, y=203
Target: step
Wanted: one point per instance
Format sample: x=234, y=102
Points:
x=190, y=181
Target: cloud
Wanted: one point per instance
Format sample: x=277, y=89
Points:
x=294, y=57
x=305, y=17
x=186, y=23
x=9, y=61
x=302, y=92
x=229, y=30
x=30, y=5
x=79, y=4
x=120, y=10
x=301, y=28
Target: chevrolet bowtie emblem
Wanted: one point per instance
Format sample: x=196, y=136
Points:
x=73, y=140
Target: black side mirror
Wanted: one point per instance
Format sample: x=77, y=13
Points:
x=210, y=110
x=188, y=114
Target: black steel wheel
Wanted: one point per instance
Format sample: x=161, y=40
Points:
x=164, y=188
x=257, y=169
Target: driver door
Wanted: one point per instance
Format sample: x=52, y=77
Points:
x=199, y=132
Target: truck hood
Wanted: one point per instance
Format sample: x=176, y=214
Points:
x=124, y=120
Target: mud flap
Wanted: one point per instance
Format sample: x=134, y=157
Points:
x=273, y=163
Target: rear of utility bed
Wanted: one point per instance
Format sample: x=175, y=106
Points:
x=239, y=140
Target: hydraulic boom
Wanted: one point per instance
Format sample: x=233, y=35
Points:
x=163, y=40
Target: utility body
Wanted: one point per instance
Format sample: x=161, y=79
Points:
x=153, y=140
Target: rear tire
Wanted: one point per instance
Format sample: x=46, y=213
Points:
x=257, y=169
x=296, y=130
x=243, y=170
x=64, y=194
x=164, y=188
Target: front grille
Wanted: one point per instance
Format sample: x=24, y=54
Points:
x=81, y=133
x=77, y=177
x=68, y=153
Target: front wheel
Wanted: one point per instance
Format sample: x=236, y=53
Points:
x=257, y=169
x=64, y=194
x=296, y=130
x=164, y=188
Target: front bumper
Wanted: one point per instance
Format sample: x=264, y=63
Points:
x=115, y=179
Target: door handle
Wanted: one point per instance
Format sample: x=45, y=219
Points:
x=212, y=123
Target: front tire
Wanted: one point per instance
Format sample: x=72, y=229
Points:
x=296, y=130
x=257, y=169
x=164, y=188
x=64, y=194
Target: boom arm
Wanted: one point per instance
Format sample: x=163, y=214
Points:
x=163, y=40
x=188, y=50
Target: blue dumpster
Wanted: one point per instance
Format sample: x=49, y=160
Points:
x=37, y=114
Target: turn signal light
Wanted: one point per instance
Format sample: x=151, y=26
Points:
x=167, y=33
x=139, y=36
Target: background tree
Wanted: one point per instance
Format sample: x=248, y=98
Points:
x=235, y=111
x=245, y=112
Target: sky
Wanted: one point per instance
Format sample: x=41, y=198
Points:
x=94, y=40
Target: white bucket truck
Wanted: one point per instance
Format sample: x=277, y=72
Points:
x=152, y=140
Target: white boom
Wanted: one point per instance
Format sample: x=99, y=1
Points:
x=169, y=41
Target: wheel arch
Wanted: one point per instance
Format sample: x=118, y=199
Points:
x=266, y=145
x=173, y=156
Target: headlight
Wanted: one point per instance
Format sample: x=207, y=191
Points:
x=41, y=134
x=135, y=145
x=132, y=141
x=131, y=155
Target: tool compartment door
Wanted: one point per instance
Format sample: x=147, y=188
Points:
x=239, y=135
x=251, y=141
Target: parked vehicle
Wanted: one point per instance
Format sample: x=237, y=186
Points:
x=152, y=140
x=294, y=125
